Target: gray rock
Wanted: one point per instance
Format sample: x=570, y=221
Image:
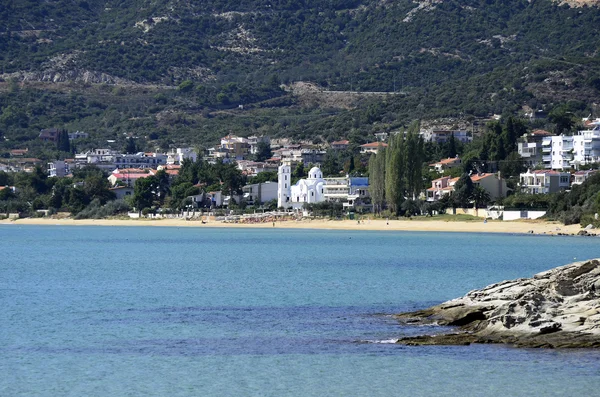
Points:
x=555, y=308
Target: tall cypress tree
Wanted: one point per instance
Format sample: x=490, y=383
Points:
x=62, y=142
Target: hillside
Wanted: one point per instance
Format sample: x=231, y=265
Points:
x=169, y=69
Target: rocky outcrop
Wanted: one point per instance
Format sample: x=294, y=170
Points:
x=556, y=308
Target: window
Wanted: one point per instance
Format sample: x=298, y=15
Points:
x=285, y=186
x=312, y=194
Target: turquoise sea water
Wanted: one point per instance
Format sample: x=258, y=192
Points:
x=135, y=311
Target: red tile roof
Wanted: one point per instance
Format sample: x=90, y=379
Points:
x=374, y=145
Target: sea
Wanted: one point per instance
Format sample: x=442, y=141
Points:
x=161, y=311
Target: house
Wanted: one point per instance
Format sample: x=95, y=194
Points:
x=127, y=176
x=372, y=147
x=340, y=145
x=443, y=136
x=529, y=147
x=260, y=193
x=215, y=198
x=237, y=147
x=78, y=135
x=122, y=191
x=139, y=160
x=581, y=176
x=49, y=135
x=176, y=156
x=254, y=141
x=58, y=168
x=494, y=185
x=18, y=152
x=350, y=191
x=446, y=164
x=544, y=181
x=312, y=156
x=439, y=188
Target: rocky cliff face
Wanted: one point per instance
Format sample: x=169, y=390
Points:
x=556, y=308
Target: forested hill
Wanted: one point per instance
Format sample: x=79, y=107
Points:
x=444, y=56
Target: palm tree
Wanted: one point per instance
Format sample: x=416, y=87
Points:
x=480, y=197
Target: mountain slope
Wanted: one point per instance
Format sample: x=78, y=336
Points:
x=446, y=57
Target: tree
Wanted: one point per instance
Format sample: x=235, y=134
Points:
x=377, y=179
x=463, y=191
x=512, y=165
x=299, y=172
x=451, y=150
x=62, y=142
x=480, y=197
x=414, y=161
x=562, y=119
x=263, y=152
x=394, y=173
x=130, y=146
x=144, y=192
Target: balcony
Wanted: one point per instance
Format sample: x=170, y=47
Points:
x=547, y=159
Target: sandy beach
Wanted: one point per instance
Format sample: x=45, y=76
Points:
x=536, y=227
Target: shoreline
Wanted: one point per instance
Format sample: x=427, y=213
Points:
x=512, y=227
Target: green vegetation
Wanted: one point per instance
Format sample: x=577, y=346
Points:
x=172, y=73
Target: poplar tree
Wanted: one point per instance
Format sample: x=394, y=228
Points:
x=414, y=160
x=377, y=178
x=394, y=173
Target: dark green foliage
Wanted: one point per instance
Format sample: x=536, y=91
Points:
x=130, y=146
x=579, y=205
x=62, y=143
x=263, y=152
x=463, y=192
x=98, y=211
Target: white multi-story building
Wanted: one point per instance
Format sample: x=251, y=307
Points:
x=260, y=193
x=530, y=147
x=58, y=168
x=544, y=181
x=176, y=156
x=565, y=152
x=140, y=160
x=443, y=136
x=254, y=140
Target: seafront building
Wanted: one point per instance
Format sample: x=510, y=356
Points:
x=493, y=184
x=544, y=181
x=350, y=191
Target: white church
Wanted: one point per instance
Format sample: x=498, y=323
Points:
x=316, y=189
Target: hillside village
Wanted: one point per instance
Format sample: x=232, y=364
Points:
x=302, y=178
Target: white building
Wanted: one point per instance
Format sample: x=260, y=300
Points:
x=565, y=152
x=254, y=140
x=315, y=189
x=140, y=160
x=260, y=193
x=544, y=181
x=443, y=136
x=529, y=147
x=176, y=156
x=58, y=169
x=309, y=190
x=581, y=176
